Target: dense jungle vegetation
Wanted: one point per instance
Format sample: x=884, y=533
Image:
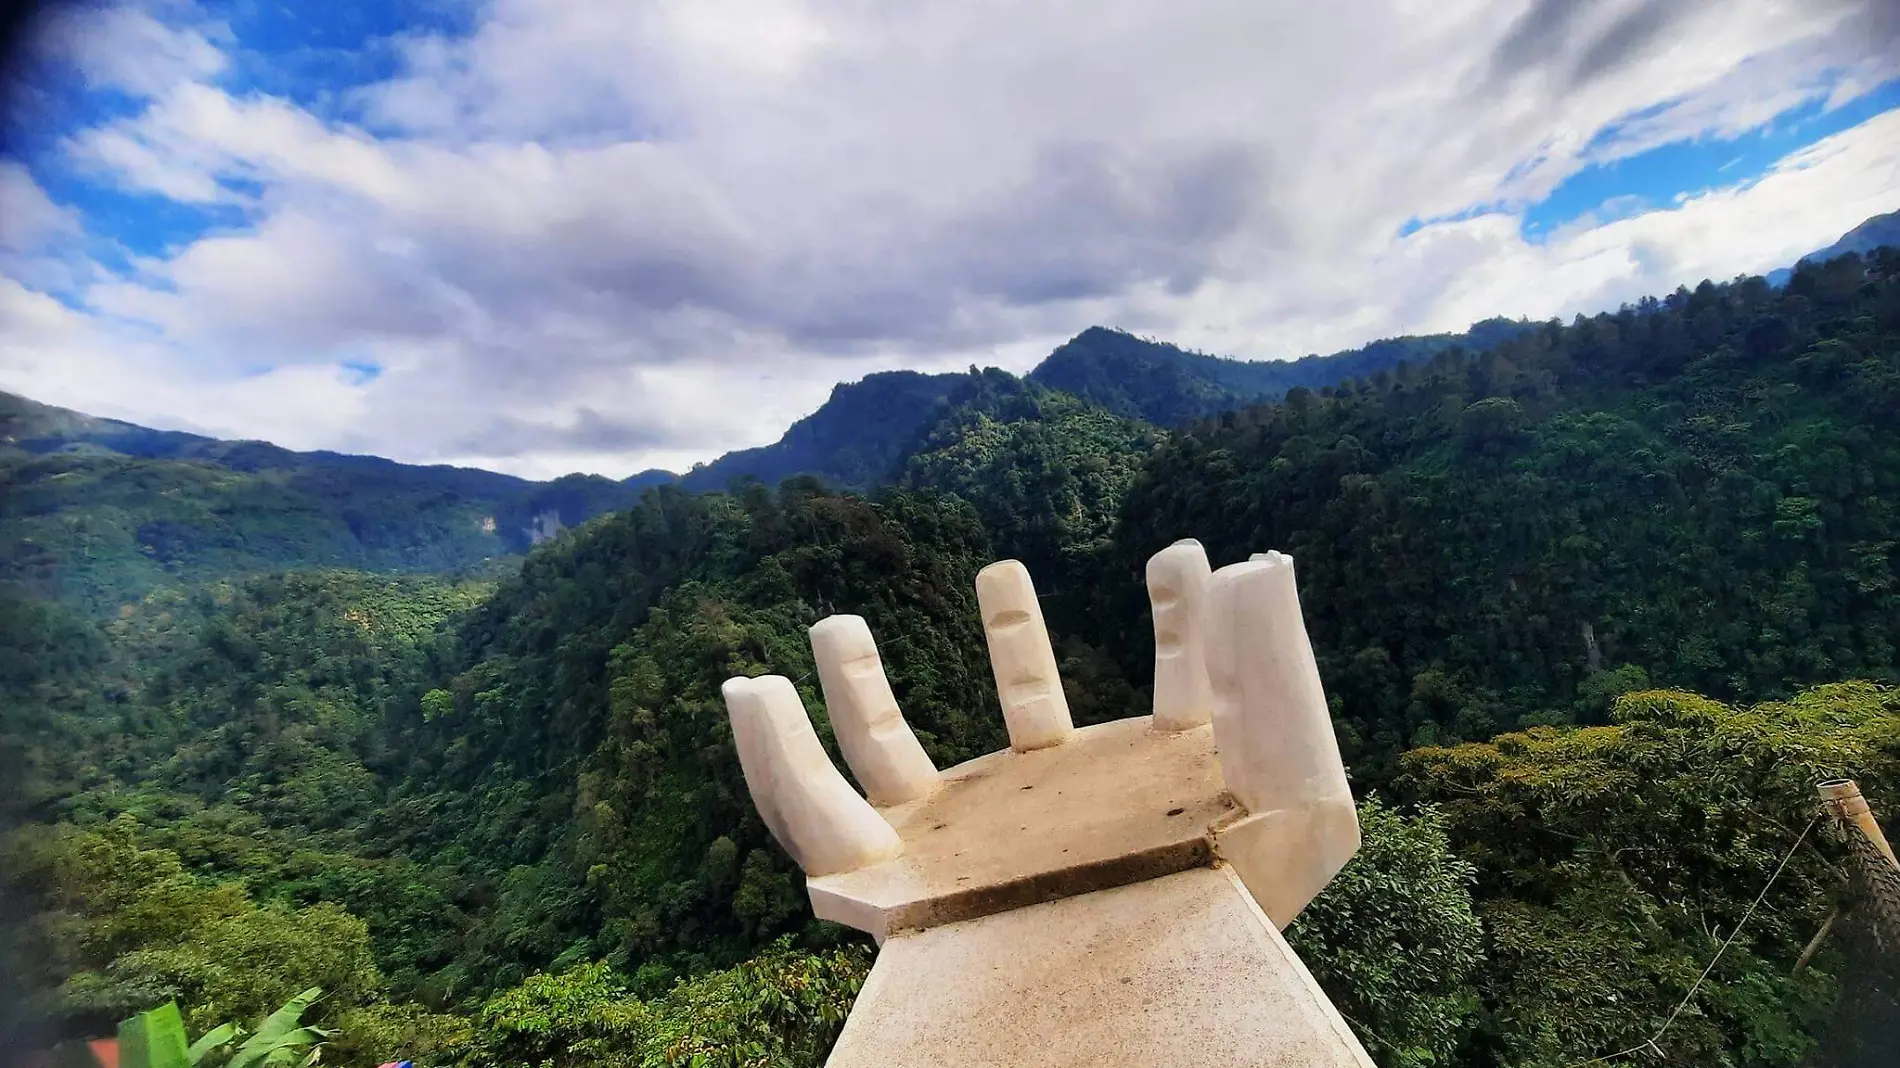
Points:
x=1596, y=606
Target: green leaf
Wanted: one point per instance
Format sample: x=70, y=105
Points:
x=211, y=1040
x=154, y=1039
x=279, y=1030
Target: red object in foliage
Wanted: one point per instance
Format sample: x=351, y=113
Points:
x=105, y=1051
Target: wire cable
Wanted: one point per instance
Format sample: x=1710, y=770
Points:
x=1649, y=1044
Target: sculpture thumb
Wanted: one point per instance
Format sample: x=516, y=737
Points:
x=807, y=805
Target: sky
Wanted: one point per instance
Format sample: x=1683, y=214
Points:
x=543, y=236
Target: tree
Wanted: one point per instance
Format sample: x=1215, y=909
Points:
x=1393, y=939
x=1613, y=860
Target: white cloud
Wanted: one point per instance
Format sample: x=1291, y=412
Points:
x=613, y=235
x=141, y=49
x=29, y=219
x=1824, y=190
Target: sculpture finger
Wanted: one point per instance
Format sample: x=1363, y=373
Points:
x=808, y=806
x=1273, y=735
x=879, y=746
x=1027, y=684
x=1177, y=588
x=743, y=709
x=1270, y=713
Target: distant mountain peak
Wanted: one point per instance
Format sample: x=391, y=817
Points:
x=1872, y=233
x=858, y=437
x=1168, y=385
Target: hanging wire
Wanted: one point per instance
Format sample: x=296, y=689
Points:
x=881, y=646
x=1649, y=1045
x=1362, y=1031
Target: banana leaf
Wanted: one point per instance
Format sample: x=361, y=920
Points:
x=280, y=1031
x=154, y=1039
x=211, y=1040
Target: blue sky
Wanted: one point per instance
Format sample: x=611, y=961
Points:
x=1660, y=176
x=545, y=235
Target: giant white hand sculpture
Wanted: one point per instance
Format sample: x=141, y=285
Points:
x=1262, y=788
x=1173, y=845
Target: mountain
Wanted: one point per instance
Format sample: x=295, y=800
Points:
x=29, y=426
x=1699, y=491
x=1876, y=232
x=159, y=507
x=1046, y=472
x=162, y=506
x=652, y=476
x=100, y=512
x=858, y=437
x=863, y=435
x=1168, y=386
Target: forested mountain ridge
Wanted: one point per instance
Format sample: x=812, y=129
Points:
x=1690, y=492
x=1701, y=491
x=100, y=513
x=1163, y=384
x=863, y=436
x=33, y=427
x=857, y=438
x=499, y=818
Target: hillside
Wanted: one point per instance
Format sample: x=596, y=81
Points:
x=1168, y=386
x=1702, y=491
x=1876, y=232
x=862, y=436
x=857, y=438
x=100, y=513
x=1045, y=471
x=1694, y=492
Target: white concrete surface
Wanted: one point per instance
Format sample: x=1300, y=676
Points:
x=1118, y=803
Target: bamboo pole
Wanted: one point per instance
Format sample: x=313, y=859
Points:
x=1879, y=871
x=1842, y=798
